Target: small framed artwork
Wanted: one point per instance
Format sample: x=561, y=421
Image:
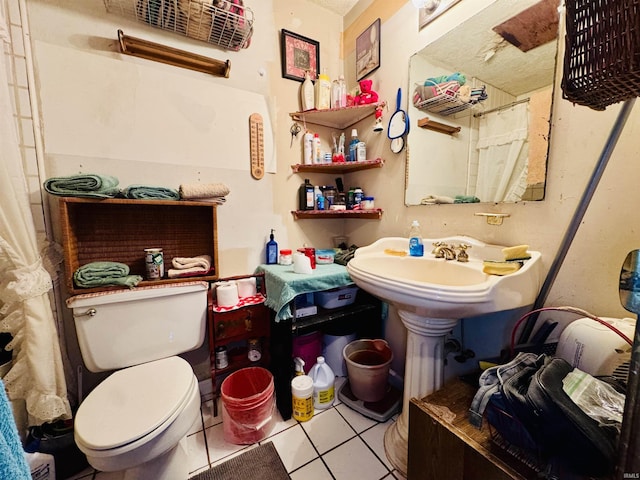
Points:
x=433, y=9
x=299, y=54
x=368, y=50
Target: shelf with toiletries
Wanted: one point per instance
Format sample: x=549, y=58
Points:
x=372, y=214
x=119, y=230
x=338, y=118
x=345, y=167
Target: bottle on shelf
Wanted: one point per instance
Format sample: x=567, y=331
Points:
x=416, y=248
x=343, y=91
x=323, y=91
x=317, y=152
x=272, y=250
x=307, y=95
x=308, y=148
x=353, y=145
x=323, y=384
x=305, y=196
x=319, y=197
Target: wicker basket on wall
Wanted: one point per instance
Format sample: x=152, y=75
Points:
x=602, y=56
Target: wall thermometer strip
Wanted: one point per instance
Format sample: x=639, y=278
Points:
x=256, y=145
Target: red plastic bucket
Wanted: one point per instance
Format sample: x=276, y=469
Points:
x=248, y=405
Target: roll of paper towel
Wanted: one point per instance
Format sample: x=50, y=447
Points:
x=227, y=294
x=246, y=287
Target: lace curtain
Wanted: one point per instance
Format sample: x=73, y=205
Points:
x=37, y=374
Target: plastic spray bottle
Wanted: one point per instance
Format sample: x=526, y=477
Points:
x=301, y=393
x=416, y=248
x=307, y=94
x=323, y=384
x=272, y=250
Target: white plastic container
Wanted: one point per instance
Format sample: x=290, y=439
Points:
x=336, y=297
x=302, y=397
x=323, y=384
x=308, y=148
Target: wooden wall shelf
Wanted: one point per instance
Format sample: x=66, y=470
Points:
x=375, y=213
x=345, y=167
x=429, y=124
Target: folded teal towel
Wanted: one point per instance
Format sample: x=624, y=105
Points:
x=94, y=186
x=147, y=192
x=13, y=464
x=99, y=274
x=466, y=199
x=283, y=285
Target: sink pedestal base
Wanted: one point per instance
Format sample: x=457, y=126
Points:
x=424, y=374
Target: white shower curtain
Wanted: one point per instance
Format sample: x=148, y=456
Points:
x=25, y=310
x=503, y=151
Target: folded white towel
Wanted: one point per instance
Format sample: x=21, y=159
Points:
x=201, y=262
x=203, y=190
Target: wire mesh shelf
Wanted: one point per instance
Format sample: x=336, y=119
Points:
x=225, y=23
x=444, y=105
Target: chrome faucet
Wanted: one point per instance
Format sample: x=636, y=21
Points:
x=448, y=252
x=442, y=250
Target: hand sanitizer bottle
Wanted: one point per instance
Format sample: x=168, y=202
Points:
x=416, y=248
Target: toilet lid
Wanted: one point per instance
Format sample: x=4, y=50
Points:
x=133, y=402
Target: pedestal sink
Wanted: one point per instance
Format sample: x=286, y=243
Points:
x=431, y=295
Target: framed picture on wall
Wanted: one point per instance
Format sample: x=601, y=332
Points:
x=299, y=54
x=368, y=50
x=433, y=9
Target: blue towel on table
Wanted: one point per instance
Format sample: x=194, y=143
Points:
x=89, y=185
x=148, y=192
x=100, y=274
x=283, y=284
x=12, y=461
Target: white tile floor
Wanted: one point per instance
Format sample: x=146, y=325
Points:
x=336, y=444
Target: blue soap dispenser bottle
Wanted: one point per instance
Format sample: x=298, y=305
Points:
x=416, y=248
x=272, y=250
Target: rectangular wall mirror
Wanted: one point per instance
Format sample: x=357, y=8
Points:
x=480, y=104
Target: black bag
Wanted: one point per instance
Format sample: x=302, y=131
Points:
x=562, y=432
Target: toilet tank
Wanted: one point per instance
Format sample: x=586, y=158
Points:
x=118, y=329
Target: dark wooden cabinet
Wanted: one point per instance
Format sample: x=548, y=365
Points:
x=443, y=445
x=235, y=329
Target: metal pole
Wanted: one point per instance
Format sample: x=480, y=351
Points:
x=577, y=216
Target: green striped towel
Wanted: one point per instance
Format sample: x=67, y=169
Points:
x=100, y=274
x=87, y=185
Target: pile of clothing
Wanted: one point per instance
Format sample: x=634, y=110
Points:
x=437, y=93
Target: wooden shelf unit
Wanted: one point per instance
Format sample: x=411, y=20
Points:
x=118, y=230
x=374, y=214
x=338, y=118
x=345, y=167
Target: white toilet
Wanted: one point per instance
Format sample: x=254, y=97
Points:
x=135, y=422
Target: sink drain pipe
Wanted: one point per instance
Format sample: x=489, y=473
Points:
x=577, y=217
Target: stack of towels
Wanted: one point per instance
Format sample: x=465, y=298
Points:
x=204, y=192
x=190, y=266
x=102, y=274
x=105, y=186
x=445, y=86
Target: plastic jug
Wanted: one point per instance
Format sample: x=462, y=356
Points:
x=323, y=384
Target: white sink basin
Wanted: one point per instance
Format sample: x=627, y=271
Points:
x=431, y=296
x=437, y=287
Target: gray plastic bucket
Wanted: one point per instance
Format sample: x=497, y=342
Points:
x=368, y=363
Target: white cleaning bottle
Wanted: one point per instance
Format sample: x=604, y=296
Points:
x=416, y=248
x=307, y=95
x=323, y=384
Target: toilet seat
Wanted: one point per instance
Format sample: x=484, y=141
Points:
x=132, y=403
